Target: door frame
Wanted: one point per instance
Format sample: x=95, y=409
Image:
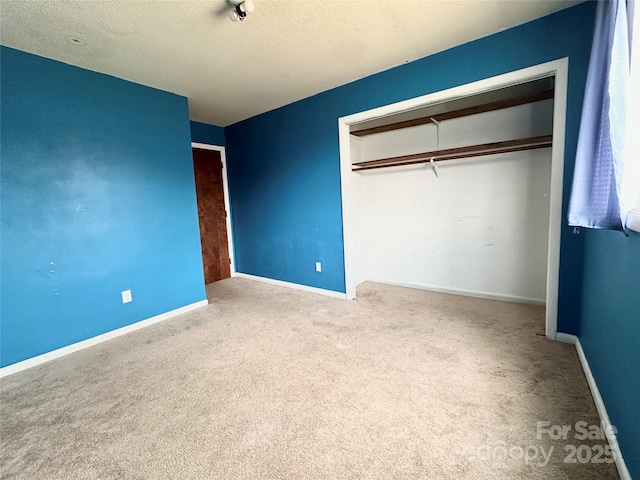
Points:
x=227, y=204
x=556, y=68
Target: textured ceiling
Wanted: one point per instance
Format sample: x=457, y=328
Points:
x=284, y=51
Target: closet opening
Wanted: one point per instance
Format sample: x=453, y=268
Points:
x=460, y=191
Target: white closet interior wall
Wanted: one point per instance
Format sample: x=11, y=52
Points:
x=480, y=229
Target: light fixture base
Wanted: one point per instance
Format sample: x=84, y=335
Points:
x=240, y=9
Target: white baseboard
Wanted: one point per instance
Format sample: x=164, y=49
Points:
x=466, y=293
x=74, y=347
x=566, y=338
x=623, y=471
x=297, y=286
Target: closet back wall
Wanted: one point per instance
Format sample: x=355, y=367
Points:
x=480, y=228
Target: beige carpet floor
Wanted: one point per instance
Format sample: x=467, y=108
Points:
x=271, y=383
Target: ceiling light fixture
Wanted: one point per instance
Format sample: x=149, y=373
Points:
x=240, y=9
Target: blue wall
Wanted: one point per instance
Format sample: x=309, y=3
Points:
x=205, y=133
x=98, y=196
x=284, y=165
x=610, y=331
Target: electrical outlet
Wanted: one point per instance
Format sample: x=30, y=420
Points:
x=318, y=267
x=126, y=296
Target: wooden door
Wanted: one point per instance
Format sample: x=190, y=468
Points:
x=212, y=214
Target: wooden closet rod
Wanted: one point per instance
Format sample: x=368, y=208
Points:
x=494, y=148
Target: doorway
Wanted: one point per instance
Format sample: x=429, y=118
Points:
x=213, y=211
x=556, y=69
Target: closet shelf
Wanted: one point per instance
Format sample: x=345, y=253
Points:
x=494, y=148
x=463, y=112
